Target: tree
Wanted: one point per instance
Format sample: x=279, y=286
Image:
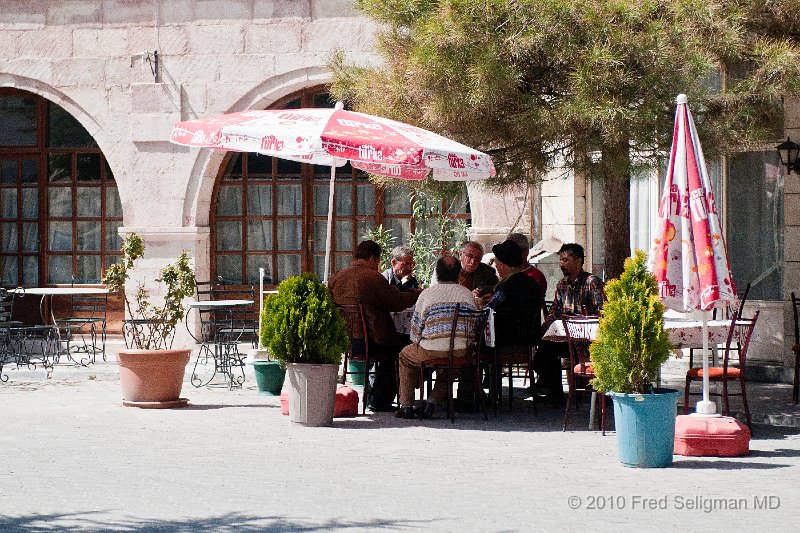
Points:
x=588, y=86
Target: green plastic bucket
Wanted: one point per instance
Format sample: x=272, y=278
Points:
x=269, y=377
x=645, y=426
x=356, y=372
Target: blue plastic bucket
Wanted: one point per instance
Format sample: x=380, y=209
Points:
x=645, y=426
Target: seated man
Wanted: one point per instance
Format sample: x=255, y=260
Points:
x=361, y=281
x=528, y=269
x=430, y=333
x=518, y=300
x=578, y=293
x=401, y=272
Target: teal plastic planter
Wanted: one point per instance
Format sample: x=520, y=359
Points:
x=355, y=379
x=269, y=377
x=645, y=426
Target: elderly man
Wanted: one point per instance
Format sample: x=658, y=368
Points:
x=401, y=273
x=518, y=294
x=430, y=333
x=361, y=281
x=577, y=293
x=478, y=277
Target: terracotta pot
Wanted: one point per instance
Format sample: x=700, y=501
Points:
x=152, y=378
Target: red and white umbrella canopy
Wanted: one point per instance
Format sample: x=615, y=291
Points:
x=688, y=257
x=332, y=137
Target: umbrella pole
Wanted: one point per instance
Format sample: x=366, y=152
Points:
x=260, y=303
x=329, y=232
x=705, y=407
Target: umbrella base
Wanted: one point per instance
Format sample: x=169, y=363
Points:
x=711, y=436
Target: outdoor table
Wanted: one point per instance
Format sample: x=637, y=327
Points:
x=683, y=333
x=219, y=341
x=48, y=293
x=402, y=320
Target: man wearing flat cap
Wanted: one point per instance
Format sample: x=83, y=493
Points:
x=516, y=294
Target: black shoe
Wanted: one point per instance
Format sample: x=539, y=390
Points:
x=381, y=408
x=426, y=411
x=405, y=411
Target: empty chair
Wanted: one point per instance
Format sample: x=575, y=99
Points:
x=83, y=326
x=580, y=331
x=732, y=369
x=467, y=324
x=796, y=348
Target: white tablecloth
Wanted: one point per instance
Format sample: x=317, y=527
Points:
x=682, y=333
x=402, y=320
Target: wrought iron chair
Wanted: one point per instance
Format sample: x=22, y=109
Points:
x=739, y=335
x=796, y=348
x=7, y=323
x=468, y=324
x=86, y=318
x=358, y=348
x=580, y=330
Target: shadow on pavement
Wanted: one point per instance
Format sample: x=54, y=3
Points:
x=91, y=522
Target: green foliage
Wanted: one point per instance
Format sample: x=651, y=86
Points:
x=631, y=343
x=384, y=238
x=161, y=320
x=301, y=324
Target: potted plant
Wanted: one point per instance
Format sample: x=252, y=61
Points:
x=631, y=346
x=301, y=327
x=151, y=373
x=269, y=372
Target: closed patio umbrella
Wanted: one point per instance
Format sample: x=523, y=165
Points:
x=688, y=256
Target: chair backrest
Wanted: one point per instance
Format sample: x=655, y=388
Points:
x=88, y=307
x=355, y=320
x=518, y=331
x=468, y=324
x=580, y=331
x=6, y=306
x=738, y=339
x=740, y=308
x=796, y=314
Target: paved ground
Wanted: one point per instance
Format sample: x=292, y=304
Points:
x=75, y=459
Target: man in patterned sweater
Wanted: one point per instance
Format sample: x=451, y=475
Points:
x=430, y=335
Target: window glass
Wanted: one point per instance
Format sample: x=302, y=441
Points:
x=259, y=167
x=64, y=131
x=113, y=240
x=8, y=270
x=229, y=235
x=30, y=271
x=254, y=262
x=59, y=269
x=30, y=173
x=229, y=202
x=88, y=269
x=59, y=202
x=88, y=167
x=755, y=223
x=59, y=168
x=288, y=266
x=290, y=199
x=259, y=200
x=259, y=235
x=8, y=197
x=113, y=204
x=30, y=203
x=289, y=234
x=88, y=236
x=30, y=237
x=8, y=172
x=9, y=237
x=366, y=199
x=18, y=117
x=88, y=202
x=343, y=201
x=398, y=200
x=60, y=236
x=230, y=268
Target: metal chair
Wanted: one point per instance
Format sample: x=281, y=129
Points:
x=87, y=317
x=358, y=348
x=6, y=325
x=739, y=334
x=796, y=348
x=516, y=337
x=468, y=324
x=580, y=330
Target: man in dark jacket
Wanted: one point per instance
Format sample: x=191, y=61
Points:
x=362, y=281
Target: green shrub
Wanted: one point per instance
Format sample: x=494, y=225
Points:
x=301, y=324
x=631, y=343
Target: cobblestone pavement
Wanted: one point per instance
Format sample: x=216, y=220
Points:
x=75, y=459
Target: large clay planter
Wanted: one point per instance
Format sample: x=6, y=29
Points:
x=312, y=393
x=152, y=378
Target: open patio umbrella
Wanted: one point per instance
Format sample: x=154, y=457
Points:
x=688, y=257
x=332, y=137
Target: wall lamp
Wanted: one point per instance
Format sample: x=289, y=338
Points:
x=789, y=151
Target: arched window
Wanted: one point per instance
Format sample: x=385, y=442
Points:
x=59, y=205
x=272, y=213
